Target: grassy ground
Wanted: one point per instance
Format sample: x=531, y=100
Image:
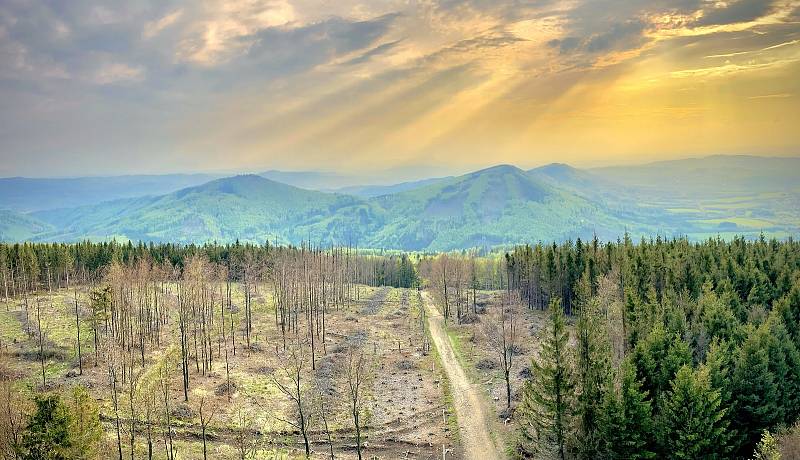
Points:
x=406, y=391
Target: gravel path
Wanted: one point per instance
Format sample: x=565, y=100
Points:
x=474, y=422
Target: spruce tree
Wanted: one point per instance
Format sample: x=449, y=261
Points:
x=626, y=419
x=754, y=392
x=784, y=363
x=85, y=428
x=789, y=308
x=658, y=357
x=593, y=375
x=691, y=423
x=547, y=402
x=47, y=436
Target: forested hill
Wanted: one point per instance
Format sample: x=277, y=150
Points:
x=501, y=205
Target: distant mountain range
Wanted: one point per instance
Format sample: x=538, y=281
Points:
x=501, y=205
x=34, y=194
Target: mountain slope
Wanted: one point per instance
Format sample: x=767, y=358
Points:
x=722, y=195
x=310, y=180
x=249, y=208
x=499, y=205
x=718, y=175
x=20, y=227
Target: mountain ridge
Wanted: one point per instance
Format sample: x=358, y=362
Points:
x=498, y=205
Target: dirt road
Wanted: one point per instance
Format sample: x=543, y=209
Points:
x=474, y=421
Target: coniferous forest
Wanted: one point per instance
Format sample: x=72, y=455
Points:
x=648, y=349
x=679, y=350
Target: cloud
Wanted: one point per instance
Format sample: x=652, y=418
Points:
x=153, y=28
x=620, y=36
x=223, y=29
x=117, y=72
x=597, y=27
x=285, y=50
x=383, y=48
x=281, y=80
x=772, y=96
x=734, y=12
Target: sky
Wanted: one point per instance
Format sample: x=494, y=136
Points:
x=123, y=87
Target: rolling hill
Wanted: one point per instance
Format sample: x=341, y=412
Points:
x=20, y=227
x=247, y=207
x=372, y=191
x=497, y=206
x=712, y=176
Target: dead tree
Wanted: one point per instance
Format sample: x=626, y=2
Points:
x=205, y=419
x=149, y=408
x=132, y=386
x=78, y=333
x=296, y=393
x=357, y=377
x=163, y=374
x=113, y=381
x=321, y=390
x=41, y=339
x=502, y=337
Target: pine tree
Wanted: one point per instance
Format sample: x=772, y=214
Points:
x=47, y=436
x=789, y=308
x=718, y=318
x=691, y=423
x=593, y=376
x=754, y=392
x=719, y=361
x=658, y=357
x=784, y=363
x=626, y=419
x=547, y=404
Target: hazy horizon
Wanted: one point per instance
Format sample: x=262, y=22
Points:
x=383, y=176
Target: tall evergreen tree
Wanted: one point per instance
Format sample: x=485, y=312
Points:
x=691, y=423
x=626, y=420
x=85, y=428
x=789, y=308
x=593, y=376
x=658, y=357
x=547, y=402
x=754, y=392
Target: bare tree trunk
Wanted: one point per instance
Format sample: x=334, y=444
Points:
x=204, y=421
x=78, y=332
x=41, y=340
x=115, y=402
